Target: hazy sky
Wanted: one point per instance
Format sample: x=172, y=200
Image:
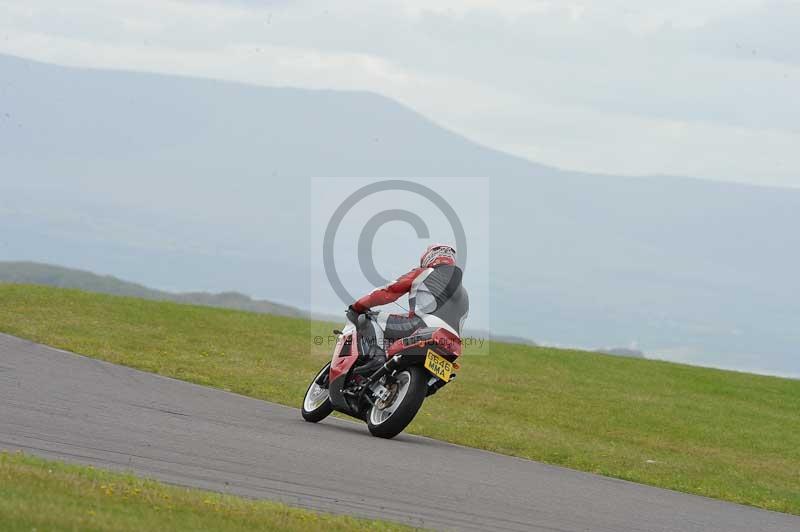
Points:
x=706, y=88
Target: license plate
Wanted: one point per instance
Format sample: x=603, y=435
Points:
x=438, y=365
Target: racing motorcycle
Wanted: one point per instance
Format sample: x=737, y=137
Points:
x=388, y=399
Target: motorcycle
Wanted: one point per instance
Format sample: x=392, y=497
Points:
x=389, y=398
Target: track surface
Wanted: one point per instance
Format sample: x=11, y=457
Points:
x=60, y=405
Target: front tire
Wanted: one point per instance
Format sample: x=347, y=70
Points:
x=317, y=401
x=412, y=387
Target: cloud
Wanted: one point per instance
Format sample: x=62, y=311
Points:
x=765, y=33
x=615, y=86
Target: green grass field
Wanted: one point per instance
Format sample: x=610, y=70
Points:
x=36, y=494
x=722, y=434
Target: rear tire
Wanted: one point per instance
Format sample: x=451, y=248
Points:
x=316, y=409
x=383, y=426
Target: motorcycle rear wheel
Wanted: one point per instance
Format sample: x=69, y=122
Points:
x=412, y=387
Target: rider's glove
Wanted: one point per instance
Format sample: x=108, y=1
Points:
x=353, y=314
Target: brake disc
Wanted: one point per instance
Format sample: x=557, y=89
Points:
x=383, y=403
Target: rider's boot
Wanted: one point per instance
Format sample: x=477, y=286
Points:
x=375, y=359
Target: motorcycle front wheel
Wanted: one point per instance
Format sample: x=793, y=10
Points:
x=317, y=401
x=408, y=391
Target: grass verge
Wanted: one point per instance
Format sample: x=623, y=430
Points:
x=38, y=494
x=722, y=434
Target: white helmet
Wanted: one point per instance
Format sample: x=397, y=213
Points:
x=437, y=254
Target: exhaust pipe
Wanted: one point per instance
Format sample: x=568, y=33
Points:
x=390, y=366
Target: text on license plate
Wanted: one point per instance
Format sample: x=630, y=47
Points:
x=438, y=365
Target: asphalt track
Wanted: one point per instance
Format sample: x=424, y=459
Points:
x=64, y=406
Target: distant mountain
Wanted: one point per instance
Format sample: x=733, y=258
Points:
x=504, y=338
x=58, y=276
x=191, y=185
x=621, y=352
x=46, y=274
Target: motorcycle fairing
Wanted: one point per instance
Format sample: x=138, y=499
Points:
x=345, y=355
x=442, y=340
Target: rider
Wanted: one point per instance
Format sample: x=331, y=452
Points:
x=436, y=298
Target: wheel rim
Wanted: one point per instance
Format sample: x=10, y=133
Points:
x=316, y=394
x=381, y=415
